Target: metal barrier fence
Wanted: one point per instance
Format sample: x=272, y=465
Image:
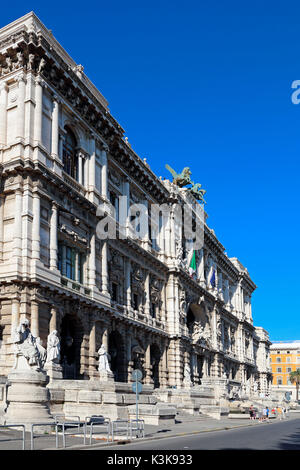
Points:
x=99, y=422
x=16, y=426
x=32, y=436
x=137, y=425
x=61, y=421
x=120, y=425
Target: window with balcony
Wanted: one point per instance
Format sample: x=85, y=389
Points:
x=70, y=157
x=70, y=262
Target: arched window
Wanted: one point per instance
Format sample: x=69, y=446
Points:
x=279, y=380
x=70, y=158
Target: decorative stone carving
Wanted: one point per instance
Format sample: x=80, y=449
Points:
x=201, y=334
x=180, y=261
x=26, y=346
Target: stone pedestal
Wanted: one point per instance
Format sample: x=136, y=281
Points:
x=157, y=415
x=106, y=376
x=27, y=396
x=54, y=371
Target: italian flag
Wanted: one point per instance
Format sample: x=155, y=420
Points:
x=193, y=264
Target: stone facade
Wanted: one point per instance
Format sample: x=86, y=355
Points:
x=62, y=154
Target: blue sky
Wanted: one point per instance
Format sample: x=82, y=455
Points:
x=207, y=85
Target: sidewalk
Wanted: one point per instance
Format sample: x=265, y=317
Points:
x=75, y=441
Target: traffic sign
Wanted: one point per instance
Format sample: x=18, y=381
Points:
x=137, y=374
x=137, y=387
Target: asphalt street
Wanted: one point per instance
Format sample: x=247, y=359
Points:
x=279, y=435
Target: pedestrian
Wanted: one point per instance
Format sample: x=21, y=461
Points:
x=264, y=414
x=251, y=412
x=267, y=413
x=260, y=415
x=279, y=412
x=283, y=412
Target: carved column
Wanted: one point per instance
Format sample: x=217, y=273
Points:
x=21, y=108
x=53, y=236
x=53, y=319
x=92, y=261
x=129, y=358
x=145, y=239
x=92, y=164
x=15, y=314
x=2, y=199
x=18, y=224
x=200, y=274
x=164, y=366
x=92, y=349
x=36, y=226
x=105, y=336
x=3, y=113
x=55, y=128
x=80, y=168
x=148, y=368
x=38, y=114
x=34, y=318
x=104, y=268
x=104, y=177
x=147, y=292
x=128, y=283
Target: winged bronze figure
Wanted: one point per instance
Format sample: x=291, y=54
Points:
x=180, y=179
x=184, y=179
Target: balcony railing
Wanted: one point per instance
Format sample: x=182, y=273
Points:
x=73, y=183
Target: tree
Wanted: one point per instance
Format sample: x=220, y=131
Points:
x=295, y=379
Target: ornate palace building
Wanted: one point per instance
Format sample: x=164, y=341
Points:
x=62, y=154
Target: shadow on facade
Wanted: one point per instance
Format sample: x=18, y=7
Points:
x=71, y=341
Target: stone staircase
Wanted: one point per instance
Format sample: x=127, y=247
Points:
x=183, y=417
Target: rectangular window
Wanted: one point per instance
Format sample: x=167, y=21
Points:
x=115, y=202
x=153, y=310
x=70, y=262
x=114, y=292
x=135, y=302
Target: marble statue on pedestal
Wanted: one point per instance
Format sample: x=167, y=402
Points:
x=27, y=395
x=53, y=348
x=187, y=375
x=27, y=346
x=103, y=359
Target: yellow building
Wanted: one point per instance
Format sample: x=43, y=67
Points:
x=285, y=358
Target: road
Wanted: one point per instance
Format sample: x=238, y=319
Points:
x=279, y=435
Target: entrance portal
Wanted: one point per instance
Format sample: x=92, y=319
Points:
x=71, y=339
